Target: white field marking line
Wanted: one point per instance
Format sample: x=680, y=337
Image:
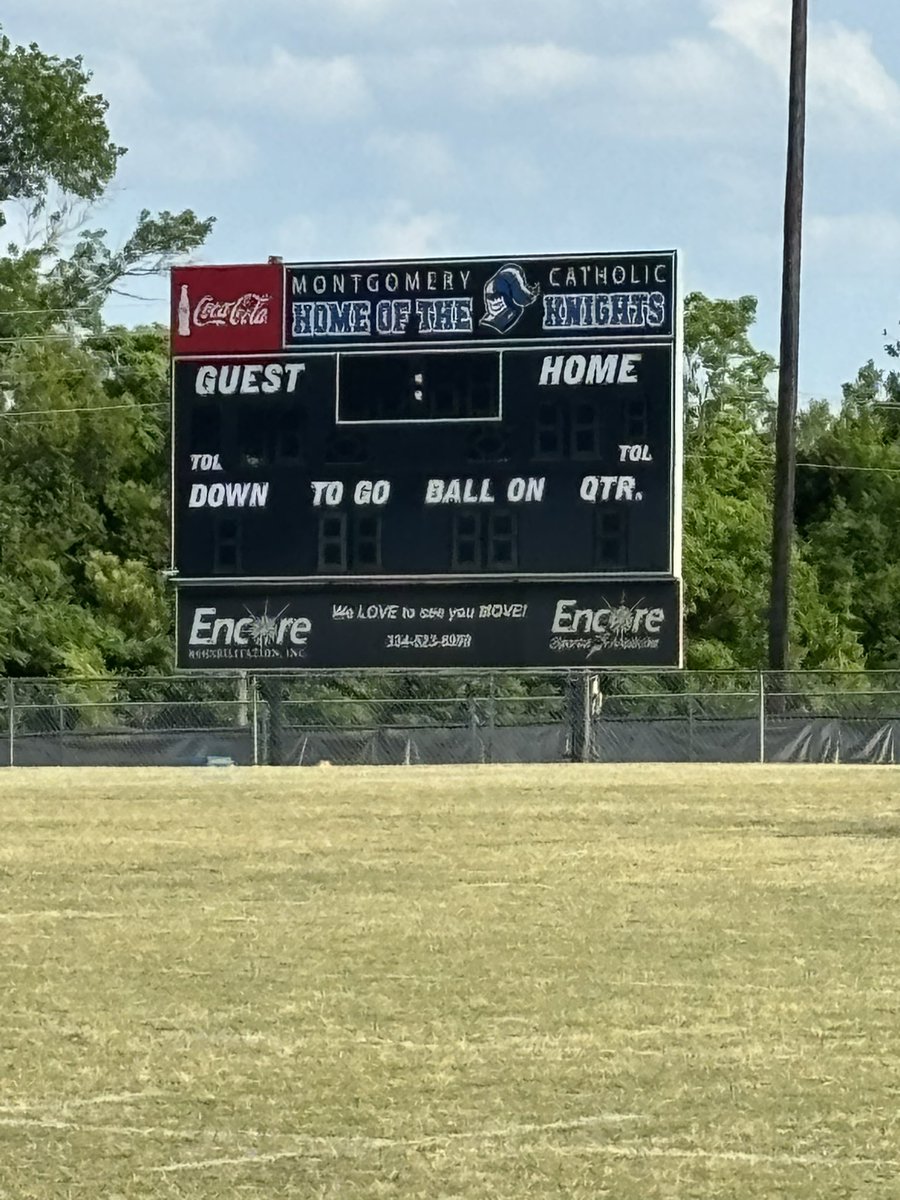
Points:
x=181, y=1135
x=113, y=1098
x=74, y=914
x=336, y=1143
x=503, y=883
x=68, y=914
x=750, y=1157
x=160, y=1131
x=725, y=988
x=143, y=915
x=45, y=1107
x=611, y=1151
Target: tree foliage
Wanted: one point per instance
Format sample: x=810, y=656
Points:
x=729, y=465
x=84, y=409
x=56, y=157
x=82, y=512
x=52, y=129
x=848, y=507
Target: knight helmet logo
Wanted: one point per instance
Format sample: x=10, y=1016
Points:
x=506, y=296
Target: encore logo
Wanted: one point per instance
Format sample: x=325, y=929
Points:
x=227, y=309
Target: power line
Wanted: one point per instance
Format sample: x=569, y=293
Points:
x=12, y=312
x=34, y=415
x=130, y=303
x=32, y=338
x=75, y=308
x=840, y=467
x=767, y=462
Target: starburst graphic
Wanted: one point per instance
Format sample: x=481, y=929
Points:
x=621, y=625
x=621, y=618
x=264, y=627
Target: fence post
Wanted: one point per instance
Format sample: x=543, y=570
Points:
x=587, y=734
x=579, y=689
x=254, y=713
x=241, y=699
x=11, y=717
x=762, y=717
x=273, y=687
x=491, y=721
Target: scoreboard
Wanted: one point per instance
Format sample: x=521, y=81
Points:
x=429, y=464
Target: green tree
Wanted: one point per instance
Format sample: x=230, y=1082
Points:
x=83, y=513
x=723, y=370
x=52, y=129
x=848, y=507
x=83, y=409
x=56, y=156
x=728, y=505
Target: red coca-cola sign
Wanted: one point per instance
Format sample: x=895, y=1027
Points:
x=227, y=310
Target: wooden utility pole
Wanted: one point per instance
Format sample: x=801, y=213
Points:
x=785, y=434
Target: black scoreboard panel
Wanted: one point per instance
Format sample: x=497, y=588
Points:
x=541, y=461
x=482, y=623
x=534, y=299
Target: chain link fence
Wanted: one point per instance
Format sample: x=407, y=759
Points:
x=305, y=719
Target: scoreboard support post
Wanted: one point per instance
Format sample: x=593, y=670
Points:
x=581, y=717
x=273, y=696
x=254, y=709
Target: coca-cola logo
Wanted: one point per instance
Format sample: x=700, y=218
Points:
x=250, y=309
x=235, y=309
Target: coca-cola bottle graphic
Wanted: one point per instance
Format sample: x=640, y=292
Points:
x=184, y=313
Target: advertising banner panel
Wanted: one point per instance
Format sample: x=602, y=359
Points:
x=518, y=625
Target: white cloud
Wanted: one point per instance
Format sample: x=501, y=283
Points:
x=415, y=156
x=300, y=86
x=297, y=238
x=366, y=10
x=481, y=74
x=197, y=149
x=402, y=233
x=145, y=26
x=846, y=79
x=687, y=91
x=760, y=26
x=119, y=78
x=522, y=166
x=515, y=70
x=686, y=72
x=860, y=242
x=846, y=74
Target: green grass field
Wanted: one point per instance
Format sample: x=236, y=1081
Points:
x=573, y=982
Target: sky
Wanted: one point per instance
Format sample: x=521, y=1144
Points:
x=359, y=129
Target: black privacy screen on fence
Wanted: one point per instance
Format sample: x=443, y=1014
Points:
x=454, y=718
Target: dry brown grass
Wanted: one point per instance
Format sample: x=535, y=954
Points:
x=574, y=982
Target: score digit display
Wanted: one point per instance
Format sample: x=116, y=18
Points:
x=429, y=426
